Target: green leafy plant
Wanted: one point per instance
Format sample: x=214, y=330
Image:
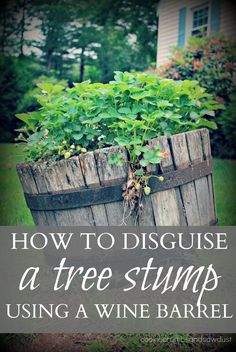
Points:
x=228, y=127
x=211, y=62
x=116, y=159
x=128, y=112
x=29, y=102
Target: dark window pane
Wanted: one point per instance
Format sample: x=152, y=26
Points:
x=200, y=21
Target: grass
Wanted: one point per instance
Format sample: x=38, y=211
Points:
x=13, y=210
x=225, y=191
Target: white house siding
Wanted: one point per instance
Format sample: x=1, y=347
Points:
x=228, y=18
x=168, y=12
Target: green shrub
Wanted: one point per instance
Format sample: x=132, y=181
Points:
x=211, y=62
x=227, y=121
x=29, y=102
x=17, y=77
x=128, y=111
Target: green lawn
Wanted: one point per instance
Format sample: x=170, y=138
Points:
x=15, y=212
x=13, y=208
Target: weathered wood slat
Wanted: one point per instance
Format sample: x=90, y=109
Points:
x=147, y=218
x=29, y=186
x=201, y=185
x=42, y=187
x=188, y=193
x=65, y=174
x=109, y=174
x=206, y=147
x=167, y=202
x=90, y=173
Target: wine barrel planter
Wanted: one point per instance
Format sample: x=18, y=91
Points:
x=87, y=190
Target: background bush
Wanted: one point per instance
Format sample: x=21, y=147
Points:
x=210, y=61
x=227, y=126
x=17, y=77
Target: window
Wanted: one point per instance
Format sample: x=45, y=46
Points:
x=200, y=21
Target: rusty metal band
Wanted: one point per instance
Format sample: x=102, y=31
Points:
x=78, y=198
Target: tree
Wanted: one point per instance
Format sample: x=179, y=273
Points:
x=86, y=43
x=55, y=20
x=22, y=25
x=16, y=17
x=139, y=22
x=114, y=53
x=17, y=77
x=7, y=26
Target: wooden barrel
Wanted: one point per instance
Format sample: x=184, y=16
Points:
x=87, y=190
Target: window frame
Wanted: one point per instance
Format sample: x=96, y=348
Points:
x=189, y=18
x=197, y=8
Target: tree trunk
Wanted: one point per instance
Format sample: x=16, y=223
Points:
x=49, y=61
x=22, y=28
x=82, y=63
x=3, y=34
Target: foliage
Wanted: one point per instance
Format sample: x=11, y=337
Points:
x=128, y=111
x=129, y=35
x=109, y=35
x=7, y=25
x=208, y=60
x=55, y=18
x=17, y=77
x=115, y=54
x=15, y=20
x=29, y=101
x=211, y=62
x=228, y=127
